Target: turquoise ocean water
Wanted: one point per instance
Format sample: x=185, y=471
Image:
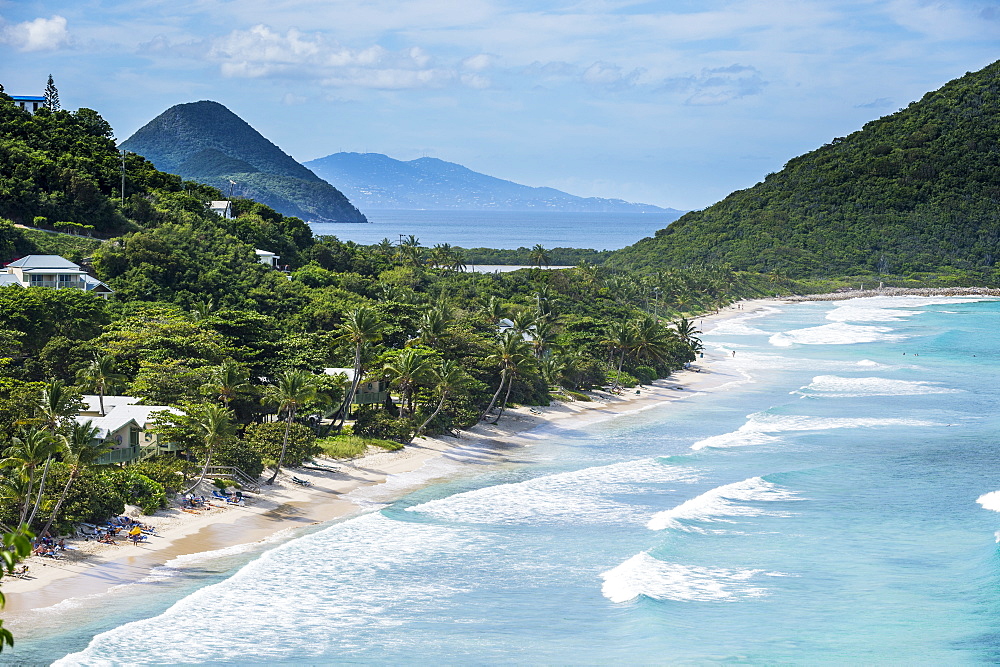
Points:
x=831, y=505
x=502, y=229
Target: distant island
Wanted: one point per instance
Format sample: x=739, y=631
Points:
x=376, y=181
x=206, y=142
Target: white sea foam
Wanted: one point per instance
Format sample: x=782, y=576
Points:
x=760, y=425
x=715, y=505
x=580, y=496
x=856, y=313
x=990, y=501
x=838, y=333
x=836, y=386
x=644, y=575
x=737, y=327
x=283, y=606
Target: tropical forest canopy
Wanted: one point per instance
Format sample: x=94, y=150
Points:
x=198, y=323
x=916, y=191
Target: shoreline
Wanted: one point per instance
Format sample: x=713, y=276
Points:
x=895, y=291
x=91, y=570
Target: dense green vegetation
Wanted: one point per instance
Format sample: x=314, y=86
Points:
x=206, y=142
x=916, y=191
x=198, y=323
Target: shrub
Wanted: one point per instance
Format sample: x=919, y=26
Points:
x=376, y=423
x=644, y=374
x=265, y=440
x=162, y=470
x=244, y=456
x=134, y=488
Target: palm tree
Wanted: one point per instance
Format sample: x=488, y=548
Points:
x=409, y=249
x=406, y=370
x=227, y=380
x=215, y=425
x=457, y=260
x=294, y=388
x=510, y=356
x=687, y=332
x=621, y=339
x=100, y=376
x=81, y=449
x=54, y=406
x=494, y=309
x=28, y=450
x=448, y=377
x=551, y=367
x=360, y=328
x=651, y=340
x=433, y=325
x=539, y=256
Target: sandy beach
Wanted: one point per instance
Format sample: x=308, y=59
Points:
x=89, y=568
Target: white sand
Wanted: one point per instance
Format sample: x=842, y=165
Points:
x=90, y=568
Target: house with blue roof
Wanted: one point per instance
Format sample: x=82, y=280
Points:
x=30, y=103
x=51, y=271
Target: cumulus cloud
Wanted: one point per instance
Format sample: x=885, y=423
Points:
x=261, y=51
x=41, y=34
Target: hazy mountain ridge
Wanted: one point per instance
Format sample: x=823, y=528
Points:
x=206, y=142
x=915, y=191
x=376, y=181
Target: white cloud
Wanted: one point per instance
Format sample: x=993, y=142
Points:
x=261, y=52
x=40, y=34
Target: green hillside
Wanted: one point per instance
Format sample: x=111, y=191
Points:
x=206, y=142
x=915, y=191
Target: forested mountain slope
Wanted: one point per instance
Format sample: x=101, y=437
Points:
x=376, y=181
x=207, y=142
x=918, y=190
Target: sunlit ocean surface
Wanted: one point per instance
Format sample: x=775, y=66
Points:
x=501, y=229
x=836, y=503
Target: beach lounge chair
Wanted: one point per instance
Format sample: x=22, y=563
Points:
x=301, y=482
x=220, y=494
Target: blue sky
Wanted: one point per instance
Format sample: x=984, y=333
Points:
x=672, y=102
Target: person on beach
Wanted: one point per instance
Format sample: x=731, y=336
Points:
x=135, y=534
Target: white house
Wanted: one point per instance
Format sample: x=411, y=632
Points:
x=222, y=209
x=30, y=103
x=267, y=258
x=51, y=271
x=127, y=425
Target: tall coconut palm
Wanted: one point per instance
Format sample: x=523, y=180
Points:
x=294, y=388
x=494, y=309
x=448, y=377
x=408, y=368
x=215, y=426
x=360, y=328
x=621, y=339
x=516, y=365
x=30, y=449
x=510, y=356
x=687, y=332
x=100, y=376
x=80, y=449
x=433, y=326
x=227, y=380
x=651, y=339
x=54, y=407
x=539, y=256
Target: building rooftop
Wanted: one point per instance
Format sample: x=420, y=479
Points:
x=44, y=262
x=28, y=98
